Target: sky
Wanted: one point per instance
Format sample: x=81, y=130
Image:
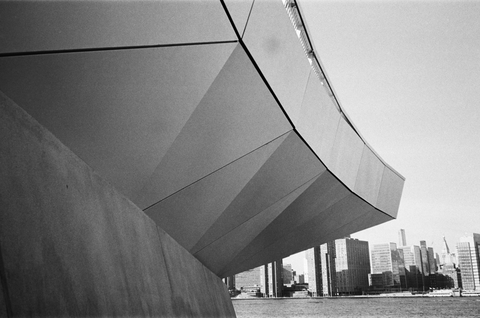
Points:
x=407, y=73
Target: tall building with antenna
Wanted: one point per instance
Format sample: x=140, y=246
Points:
x=446, y=258
x=447, y=267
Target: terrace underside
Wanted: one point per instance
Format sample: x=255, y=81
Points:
x=214, y=130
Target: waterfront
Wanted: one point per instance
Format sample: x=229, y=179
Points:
x=358, y=307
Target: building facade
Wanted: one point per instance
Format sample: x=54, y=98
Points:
x=447, y=266
x=274, y=274
x=263, y=281
x=387, y=260
x=345, y=265
x=313, y=271
x=352, y=265
x=288, y=275
x=468, y=250
x=413, y=267
x=432, y=261
x=328, y=270
x=249, y=281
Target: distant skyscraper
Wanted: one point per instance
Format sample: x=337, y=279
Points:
x=469, y=261
x=288, y=278
x=301, y=279
x=411, y=256
x=446, y=263
x=387, y=260
x=431, y=260
x=420, y=264
x=267, y=280
x=428, y=264
x=352, y=264
x=413, y=263
x=327, y=259
x=425, y=263
x=230, y=282
x=273, y=281
x=402, y=240
x=249, y=281
x=445, y=257
x=264, y=278
x=313, y=271
x=345, y=266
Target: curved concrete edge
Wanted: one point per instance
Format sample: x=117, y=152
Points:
x=71, y=245
x=276, y=47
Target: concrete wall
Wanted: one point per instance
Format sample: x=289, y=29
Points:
x=71, y=245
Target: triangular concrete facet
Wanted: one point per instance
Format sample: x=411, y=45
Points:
x=237, y=115
x=290, y=166
x=195, y=208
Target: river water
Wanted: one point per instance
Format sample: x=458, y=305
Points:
x=358, y=307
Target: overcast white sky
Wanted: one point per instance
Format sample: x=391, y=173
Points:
x=408, y=75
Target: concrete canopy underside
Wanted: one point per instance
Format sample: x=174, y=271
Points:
x=206, y=115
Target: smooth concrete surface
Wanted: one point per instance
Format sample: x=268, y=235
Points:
x=73, y=246
x=318, y=120
x=237, y=115
x=391, y=186
x=305, y=207
x=301, y=212
x=72, y=25
x=123, y=110
x=221, y=252
x=346, y=154
x=197, y=207
x=290, y=166
x=214, y=136
x=274, y=45
x=369, y=178
x=196, y=291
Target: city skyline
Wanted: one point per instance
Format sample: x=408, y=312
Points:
x=407, y=74
x=349, y=266
x=297, y=260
